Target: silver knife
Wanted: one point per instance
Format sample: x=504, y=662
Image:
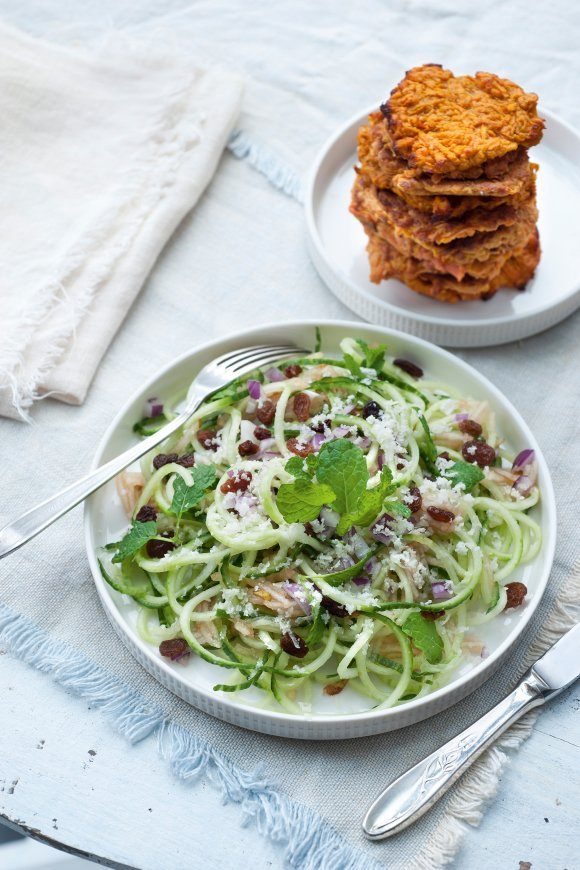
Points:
x=415, y=792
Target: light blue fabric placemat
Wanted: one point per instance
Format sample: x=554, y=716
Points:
x=240, y=259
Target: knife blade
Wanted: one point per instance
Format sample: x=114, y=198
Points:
x=410, y=796
x=560, y=666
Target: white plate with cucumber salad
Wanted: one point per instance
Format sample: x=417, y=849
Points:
x=343, y=544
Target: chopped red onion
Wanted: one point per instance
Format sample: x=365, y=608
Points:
x=484, y=652
x=361, y=580
x=329, y=519
x=340, y=431
x=526, y=463
x=364, y=443
x=380, y=460
x=343, y=563
x=461, y=417
x=524, y=458
x=275, y=374
x=359, y=544
x=372, y=567
x=254, y=389
x=297, y=593
x=230, y=473
x=440, y=591
x=318, y=440
x=153, y=407
x=379, y=531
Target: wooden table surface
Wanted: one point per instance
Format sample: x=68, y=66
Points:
x=64, y=775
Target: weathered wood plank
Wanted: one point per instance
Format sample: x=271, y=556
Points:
x=123, y=803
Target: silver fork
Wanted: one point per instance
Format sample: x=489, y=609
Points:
x=214, y=376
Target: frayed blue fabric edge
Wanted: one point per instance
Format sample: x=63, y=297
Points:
x=311, y=843
x=260, y=157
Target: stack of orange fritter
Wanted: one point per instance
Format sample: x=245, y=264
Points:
x=445, y=190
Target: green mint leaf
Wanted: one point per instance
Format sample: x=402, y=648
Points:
x=425, y=636
x=427, y=447
x=464, y=472
x=185, y=497
x=397, y=508
x=374, y=357
x=295, y=466
x=342, y=466
x=136, y=537
x=312, y=463
x=300, y=502
x=370, y=504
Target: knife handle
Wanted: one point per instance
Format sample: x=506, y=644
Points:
x=415, y=792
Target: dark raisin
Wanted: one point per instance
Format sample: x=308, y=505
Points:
x=409, y=367
x=333, y=607
x=371, y=409
x=146, y=514
x=266, y=412
x=293, y=645
x=302, y=407
x=300, y=449
x=309, y=530
x=444, y=455
x=400, y=466
x=174, y=649
x=207, y=439
x=238, y=482
x=440, y=514
x=335, y=688
x=432, y=615
x=261, y=433
x=187, y=460
x=516, y=592
x=248, y=448
x=164, y=459
x=321, y=426
x=470, y=427
x=417, y=501
x=479, y=452
x=292, y=371
x=158, y=549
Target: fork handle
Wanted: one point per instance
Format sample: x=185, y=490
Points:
x=415, y=792
x=29, y=524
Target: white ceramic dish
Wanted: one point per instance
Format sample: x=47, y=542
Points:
x=340, y=716
x=337, y=245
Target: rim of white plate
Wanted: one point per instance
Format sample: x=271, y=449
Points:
x=330, y=274
x=486, y=665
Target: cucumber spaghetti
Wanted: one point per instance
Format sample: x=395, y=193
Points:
x=328, y=523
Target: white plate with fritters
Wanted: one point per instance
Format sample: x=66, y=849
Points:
x=347, y=714
x=337, y=245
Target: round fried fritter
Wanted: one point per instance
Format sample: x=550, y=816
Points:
x=441, y=194
x=516, y=269
x=441, y=123
x=370, y=204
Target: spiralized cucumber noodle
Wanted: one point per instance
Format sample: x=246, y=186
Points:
x=328, y=523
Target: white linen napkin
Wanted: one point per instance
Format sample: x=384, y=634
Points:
x=101, y=156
